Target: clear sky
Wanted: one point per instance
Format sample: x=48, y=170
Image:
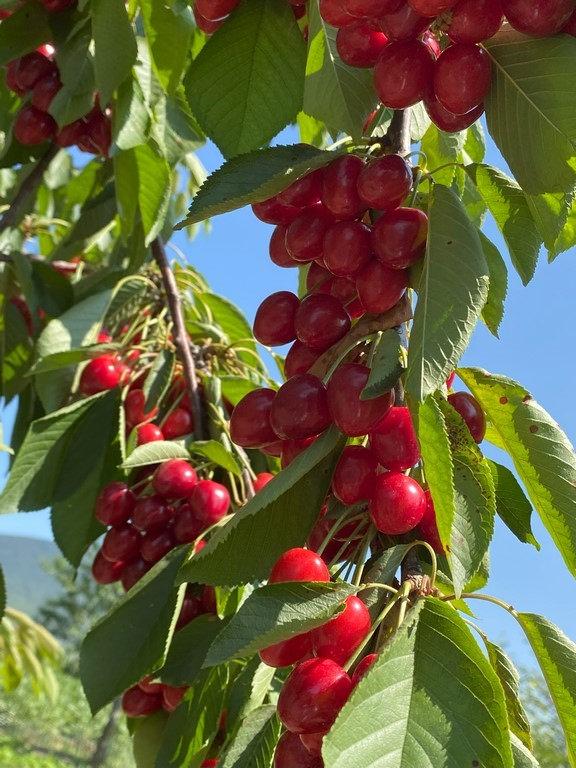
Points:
x=536, y=347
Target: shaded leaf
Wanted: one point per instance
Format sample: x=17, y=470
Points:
x=255, y=741
x=387, y=365
x=114, y=45
x=511, y=503
x=510, y=679
x=493, y=311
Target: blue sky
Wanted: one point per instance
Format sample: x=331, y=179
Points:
x=535, y=347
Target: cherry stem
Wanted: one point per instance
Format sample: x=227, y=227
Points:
x=375, y=626
x=14, y=215
x=485, y=598
x=367, y=541
x=340, y=522
x=410, y=563
x=379, y=585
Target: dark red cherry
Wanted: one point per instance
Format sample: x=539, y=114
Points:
x=385, y=182
x=313, y=742
x=135, y=405
x=278, y=252
x=299, y=565
x=206, y=25
x=32, y=126
x=353, y=416
x=250, y=421
x=156, y=544
x=403, y=75
x=538, y=18
x=215, y=9
x=371, y=9
x=151, y=513
x=398, y=503
x=570, y=27
x=339, y=193
x=273, y=211
x=340, y=637
x=300, y=408
x=175, y=479
x=274, y=321
x=354, y=474
x=121, y=544
x=172, y=697
x=179, y=422
x=347, y=247
x=148, y=433
x=114, y=504
x=318, y=279
x=363, y=667
x=187, y=527
x=293, y=448
x=287, y=652
x=394, y=440
x=475, y=20
x=360, y=44
x=321, y=321
x=137, y=703
x=404, y=23
x=31, y=68
x=262, y=480
x=431, y=8
x=104, y=571
x=291, y=753
x=100, y=374
x=462, y=77
x=399, y=237
x=380, y=288
x=191, y=609
x=45, y=90
x=471, y=411
x=428, y=527
x=305, y=235
x=303, y=192
x=332, y=11
x=299, y=359
x=210, y=502
x=133, y=572
x=70, y=134
x=448, y=121
x=313, y=695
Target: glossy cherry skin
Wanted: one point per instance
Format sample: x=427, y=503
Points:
x=206, y=25
x=45, y=90
x=174, y=479
x=462, y=77
x=273, y=211
x=300, y=408
x=299, y=359
x=156, y=544
x=475, y=20
x=179, y=422
x=291, y=753
x=333, y=12
x=262, y=480
x=30, y=69
x=379, y=287
x=299, y=564
x=360, y=44
x=250, y=421
x=399, y=237
x=363, y=667
x=398, y=503
x=353, y=416
x=354, y=474
x=305, y=235
x=97, y=135
x=287, y=652
x=570, y=27
x=274, y=321
x=318, y=278
x=104, y=571
x=339, y=193
x=151, y=513
x=134, y=406
x=32, y=126
x=428, y=528
x=172, y=696
x=404, y=23
x=371, y=9
x=538, y=18
x=148, y=433
x=187, y=527
x=215, y=9
x=138, y=703
x=448, y=121
x=115, y=504
x=340, y=637
x=291, y=449
x=313, y=742
x=394, y=440
x=210, y=502
x=431, y=8
x=313, y=695
x=100, y=374
x=403, y=74
x=303, y=192
x=121, y=543
x=133, y=572
x=321, y=321
x=347, y=247
x=277, y=249
x=470, y=410
x=385, y=182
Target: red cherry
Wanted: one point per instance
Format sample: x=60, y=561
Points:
x=363, y=667
x=287, y=652
x=30, y=69
x=313, y=695
x=380, y=288
x=371, y=9
x=385, y=182
x=97, y=134
x=339, y=193
x=274, y=321
x=187, y=527
x=172, y=696
x=208, y=600
x=148, y=686
x=273, y=211
x=403, y=74
x=341, y=636
x=32, y=126
x=360, y=44
x=54, y=6
x=431, y=8
x=347, y=247
x=179, y=422
x=394, y=440
x=206, y=25
x=305, y=235
x=313, y=742
x=134, y=406
x=133, y=572
x=293, y=448
x=148, y=433
x=351, y=414
x=303, y=192
x=399, y=237
x=475, y=20
x=137, y=703
x=104, y=337
x=45, y=90
x=151, y=513
x=321, y=321
x=175, y=479
x=273, y=449
x=262, y=480
x=462, y=77
x=156, y=544
x=404, y=23
x=299, y=565
x=190, y=610
x=570, y=27
x=210, y=502
x=538, y=18
x=471, y=411
x=317, y=279
x=70, y=134
x=300, y=408
x=278, y=253
x=215, y=9
x=448, y=121
x=100, y=374
x=104, y=571
x=397, y=504
x=115, y=504
x=250, y=421
x=121, y=543
x=354, y=474
x=291, y=753
x=450, y=380
x=332, y=11
x=299, y=359
x=428, y=527
x=12, y=77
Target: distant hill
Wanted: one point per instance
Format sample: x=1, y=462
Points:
x=27, y=584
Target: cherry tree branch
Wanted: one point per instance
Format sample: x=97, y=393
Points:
x=13, y=216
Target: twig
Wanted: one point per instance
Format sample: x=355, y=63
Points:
x=398, y=134
x=28, y=187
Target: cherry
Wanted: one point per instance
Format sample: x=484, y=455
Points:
x=32, y=126
x=262, y=480
x=462, y=77
x=273, y=449
x=351, y=414
x=187, y=528
x=121, y=543
x=206, y=25
x=404, y=23
x=210, y=502
x=334, y=546
x=151, y=513
x=403, y=74
x=538, y=18
x=278, y=252
x=212, y=762
x=104, y=571
x=155, y=545
x=428, y=527
x=385, y=182
x=313, y=742
x=291, y=753
x=305, y=235
x=399, y=237
x=471, y=411
x=363, y=667
x=346, y=247
x=215, y=9
x=190, y=610
x=448, y=121
x=148, y=433
x=380, y=288
x=208, y=600
x=148, y=686
x=12, y=77
x=287, y=652
x=318, y=278
x=360, y=44
x=475, y=20
x=354, y=474
x=397, y=504
x=45, y=90
x=339, y=194
x=570, y=27
x=299, y=565
x=313, y=695
x=137, y=703
x=100, y=374
x=394, y=440
x=97, y=134
x=70, y=134
x=341, y=636
x=134, y=406
x=299, y=359
x=332, y=11
x=250, y=421
x=172, y=697
x=114, y=504
x=300, y=408
x=431, y=8
x=133, y=572
x=293, y=448
x=273, y=211
x=179, y=422
x=321, y=321
x=274, y=321
x=371, y=9
x=175, y=479
x=303, y=192
x=32, y=68
x=450, y=380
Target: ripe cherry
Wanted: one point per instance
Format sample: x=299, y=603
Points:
x=215, y=9
x=115, y=504
x=104, y=571
x=293, y=448
x=55, y=6
x=570, y=27
x=394, y=440
x=148, y=686
x=100, y=374
x=303, y=192
x=351, y=414
x=30, y=69
x=341, y=636
x=538, y=18
x=299, y=565
x=403, y=74
x=347, y=247
x=321, y=321
x=313, y=742
x=172, y=697
x=318, y=278
x=156, y=544
x=148, y=433
x=175, y=479
x=371, y=9
x=462, y=77
x=313, y=695
x=339, y=193
x=274, y=321
x=190, y=610
x=300, y=408
x=32, y=126
x=428, y=527
x=299, y=359
x=121, y=543
x=187, y=528
x=475, y=20
x=97, y=134
x=262, y=480
x=151, y=513
x=206, y=25
x=363, y=667
x=273, y=449
x=431, y=8
x=399, y=237
x=179, y=422
x=448, y=121
x=250, y=421
x=397, y=504
x=134, y=405
x=380, y=288
x=354, y=474
x=291, y=753
x=45, y=90
x=287, y=652
x=278, y=252
x=210, y=502
x=471, y=411
x=273, y=211
x=137, y=703
x=404, y=23
x=133, y=572
x=360, y=44
x=385, y=182
x=305, y=235
x=332, y=11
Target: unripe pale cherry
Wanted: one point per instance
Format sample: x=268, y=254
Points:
x=148, y=433
x=448, y=121
x=151, y=513
x=138, y=703
x=342, y=635
x=347, y=247
x=360, y=44
x=299, y=359
x=100, y=374
x=121, y=544
x=300, y=408
x=475, y=20
x=385, y=182
x=291, y=753
x=179, y=422
x=333, y=12
x=394, y=440
x=538, y=18
x=175, y=479
x=428, y=527
x=404, y=23
x=106, y=572
x=250, y=421
x=403, y=75
x=379, y=287
x=273, y=211
x=321, y=321
x=299, y=564
x=354, y=474
x=304, y=192
x=431, y=8
x=287, y=652
x=398, y=503
x=210, y=502
x=471, y=411
x=115, y=504
x=363, y=667
x=399, y=237
x=351, y=414
x=305, y=235
x=277, y=249
x=462, y=77
x=275, y=317
x=339, y=193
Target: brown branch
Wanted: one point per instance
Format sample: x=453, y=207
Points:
x=181, y=338
x=398, y=135
x=13, y=216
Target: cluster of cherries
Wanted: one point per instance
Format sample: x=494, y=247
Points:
x=428, y=50
x=211, y=14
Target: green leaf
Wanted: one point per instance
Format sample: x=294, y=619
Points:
x=64, y=359
x=510, y=679
x=556, y=655
x=249, y=690
x=451, y=293
x=542, y=454
x=441, y=148
x=147, y=737
x=509, y=207
x=532, y=82
x=511, y=503
x=279, y=517
x=340, y=96
x=235, y=388
x=23, y=31
x=168, y=33
x=523, y=758
x=431, y=700
x=115, y=47
x=246, y=83
x=188, y=650
x=159, y=378
x=153, y=190
x=155, y=453
x=253, y=177
x=112, y=658
x=255, y=741
x=274, y=613
x=76, y=69
x=216, y=453
x=493, y=311
x=387, y=365
x=16, y=351
x=229, y=318
x=130, y=119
